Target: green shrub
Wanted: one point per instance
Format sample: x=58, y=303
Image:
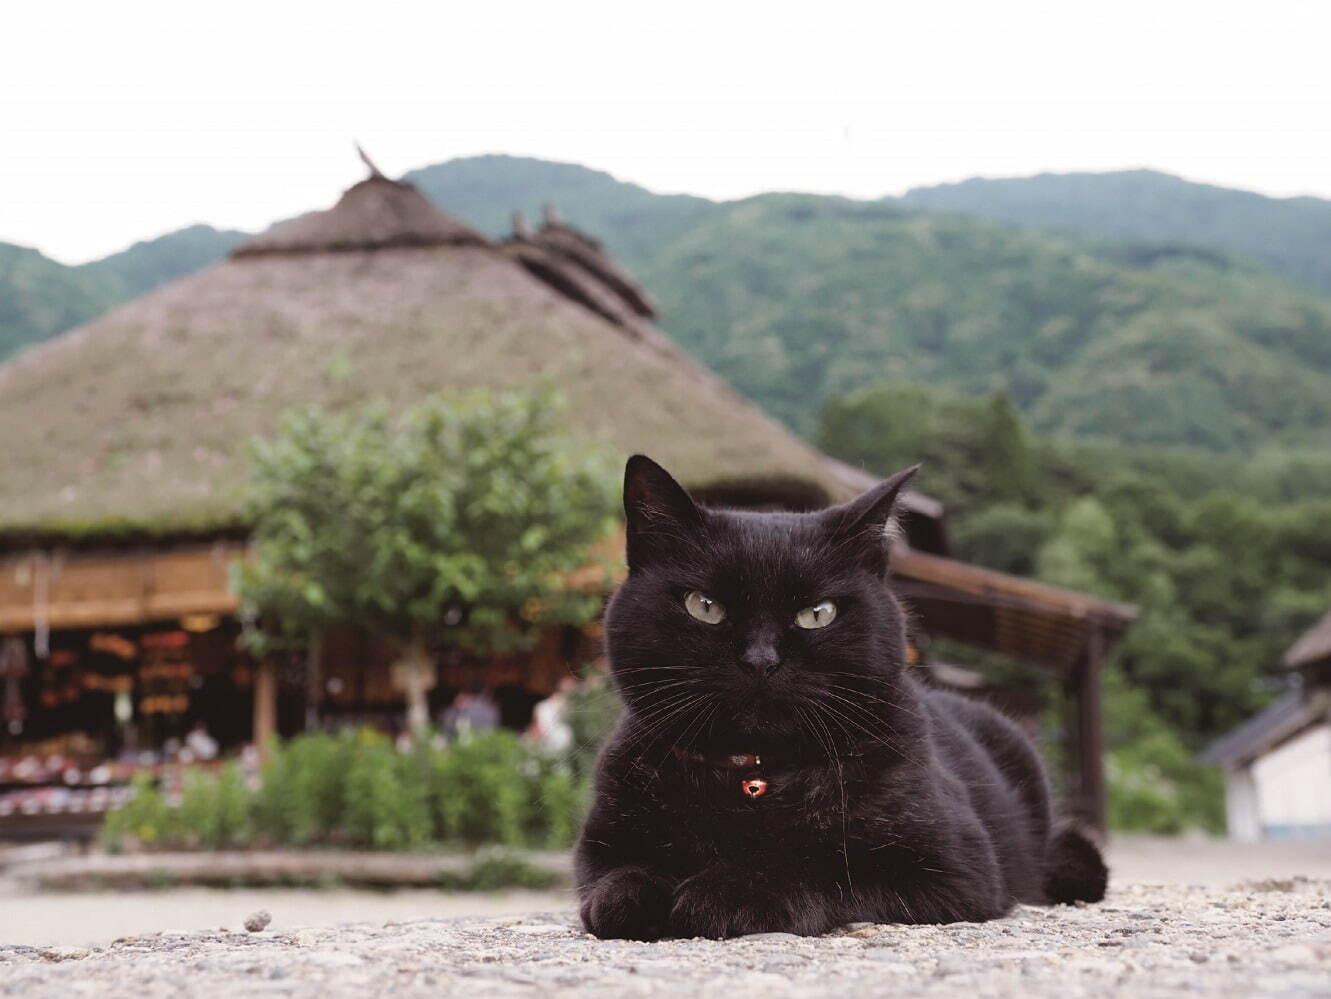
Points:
x=386, y=798
x=561, y=806
x=358, y=789
x=145, y=818
x=480, y=789
x=1154, y=785
x=214, y=809
x=593, y=709
x=303, y=796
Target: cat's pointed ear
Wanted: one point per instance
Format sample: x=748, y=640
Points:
x=869, y=521
x=657, y=510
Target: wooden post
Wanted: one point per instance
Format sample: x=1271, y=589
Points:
x=1084, y=734
x=313, y=682
x=1071, y=795
x=265, y=704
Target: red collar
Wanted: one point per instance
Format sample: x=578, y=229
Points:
x=736, y=761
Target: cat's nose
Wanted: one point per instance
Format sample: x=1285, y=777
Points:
x=761, y=657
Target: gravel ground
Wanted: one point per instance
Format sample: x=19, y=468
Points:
x=1268, y=938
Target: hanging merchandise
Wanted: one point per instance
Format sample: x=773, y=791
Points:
x=13, y=668
x=61, y=680
x=114, y=645
x=165, y=673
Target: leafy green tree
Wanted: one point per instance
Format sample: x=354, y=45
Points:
x=455, y=527
x=1225, y=573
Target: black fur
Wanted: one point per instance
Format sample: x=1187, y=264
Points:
x=887, y=800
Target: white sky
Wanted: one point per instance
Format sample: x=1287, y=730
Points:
x=122, y=120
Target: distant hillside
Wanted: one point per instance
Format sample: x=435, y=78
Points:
x=1291, y=235
x=798, y=299
x=40, y=297
x=153, y=262
x=486, y=190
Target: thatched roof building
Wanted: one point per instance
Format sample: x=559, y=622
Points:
x=137, y=422
x=376, y=214
x=142, y=415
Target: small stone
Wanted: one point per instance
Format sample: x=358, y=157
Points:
x=258, y=921
x=64, y=953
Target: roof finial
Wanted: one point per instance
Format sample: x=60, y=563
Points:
x=375, y=172
x=521, y=230
x=552, y=216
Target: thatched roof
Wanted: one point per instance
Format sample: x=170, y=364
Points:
x=142, y=415
x=376, y=214
x=587, y=254
x=1313, y=646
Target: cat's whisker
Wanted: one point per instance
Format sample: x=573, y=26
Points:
x=662, y=719
x=894, y=705
x=655, y=684
x=648, y=719
x=880, y=737
x=702, y=713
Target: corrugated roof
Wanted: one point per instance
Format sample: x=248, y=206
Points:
x=1314, y=645
x=1281, y=719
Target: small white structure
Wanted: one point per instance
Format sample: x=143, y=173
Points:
x=1278, y=763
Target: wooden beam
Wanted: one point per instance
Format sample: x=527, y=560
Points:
x=116, y=588
x=908, y=563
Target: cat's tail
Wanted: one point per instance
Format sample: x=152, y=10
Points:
x=1074, y=870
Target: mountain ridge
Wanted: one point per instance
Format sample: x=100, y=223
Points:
x=798, y=299
x=1290, y=235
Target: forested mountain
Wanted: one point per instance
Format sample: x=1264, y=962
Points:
x=799, y=299
x=151, y=262
x=40, y=297
x=1291, y=235
x=633, y=222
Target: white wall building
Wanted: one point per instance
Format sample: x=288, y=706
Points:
x=1278, y=763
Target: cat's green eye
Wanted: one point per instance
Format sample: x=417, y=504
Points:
x=703, y=607
x=820, y=615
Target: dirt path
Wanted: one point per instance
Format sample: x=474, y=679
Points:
x=1271, y=939
x=46, y=918
x=61, y=918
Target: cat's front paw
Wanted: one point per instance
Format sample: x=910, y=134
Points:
x=723, y=902
x=628, y=903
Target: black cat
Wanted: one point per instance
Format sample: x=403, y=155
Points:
x=776, y=767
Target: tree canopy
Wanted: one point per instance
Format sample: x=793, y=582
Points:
x=454, y=526
x=1225, y=582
